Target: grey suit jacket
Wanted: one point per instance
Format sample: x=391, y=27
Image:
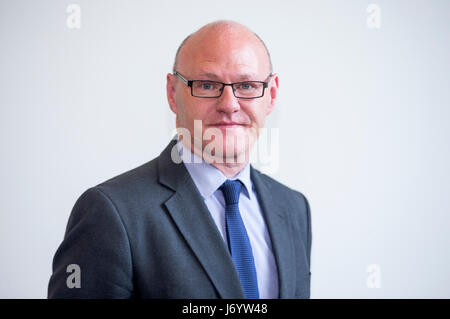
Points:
x=147, y=233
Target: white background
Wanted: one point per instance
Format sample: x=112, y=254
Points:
x=363, y=116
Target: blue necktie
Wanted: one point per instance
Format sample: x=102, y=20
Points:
x=238, y=242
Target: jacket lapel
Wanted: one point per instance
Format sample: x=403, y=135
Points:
x=276, y=217
x=195, y=223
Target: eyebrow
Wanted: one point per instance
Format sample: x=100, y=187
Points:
x=213, y=76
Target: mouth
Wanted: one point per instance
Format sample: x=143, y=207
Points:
x=225, y=125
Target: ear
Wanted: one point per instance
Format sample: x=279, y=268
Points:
x=273, y=90
x=170, y=88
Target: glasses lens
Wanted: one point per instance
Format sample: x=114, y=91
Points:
x=248, y=89
x=206, y=88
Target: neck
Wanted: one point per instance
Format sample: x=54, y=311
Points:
x=229, y=169
x=229, y=166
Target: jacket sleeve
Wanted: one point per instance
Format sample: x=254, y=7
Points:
x=309, y=233
x=94, y=259
x=303, y=286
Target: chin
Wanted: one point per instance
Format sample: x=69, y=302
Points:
x=232, y=147
x=235, y=149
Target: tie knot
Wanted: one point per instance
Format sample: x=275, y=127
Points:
x=231, y=191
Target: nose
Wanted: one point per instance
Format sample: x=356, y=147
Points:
x=227, y=102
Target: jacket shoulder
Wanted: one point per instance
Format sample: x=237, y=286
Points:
x=134, y=184
x=138, y=176
x=280, y=190
x=134, y=192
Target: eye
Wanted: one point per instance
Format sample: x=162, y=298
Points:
x=207, y=86
x=246, y=86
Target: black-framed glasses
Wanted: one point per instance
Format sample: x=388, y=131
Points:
x=214, y=89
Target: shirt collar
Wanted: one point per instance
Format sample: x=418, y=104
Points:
x=207, y=178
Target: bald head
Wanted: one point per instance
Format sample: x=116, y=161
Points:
x=223, y=33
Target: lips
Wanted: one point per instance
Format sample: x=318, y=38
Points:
x=226, y=124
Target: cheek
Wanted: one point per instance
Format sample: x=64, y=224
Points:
x=189, y=111
x=257, y=114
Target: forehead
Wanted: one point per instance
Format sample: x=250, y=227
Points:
x=241, y=75
x=215, y=54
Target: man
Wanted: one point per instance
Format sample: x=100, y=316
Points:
x=198, y=221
